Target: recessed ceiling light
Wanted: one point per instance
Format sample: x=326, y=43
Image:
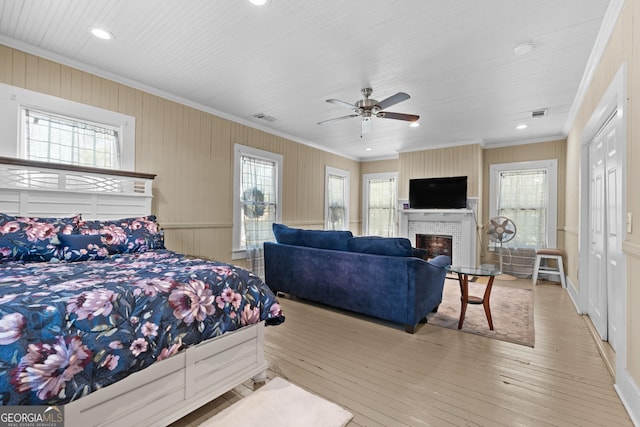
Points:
x=368, y=149
x=524, y=48
x=259, y=2
x=102, y=34
x=414, y=124
x=522, y=126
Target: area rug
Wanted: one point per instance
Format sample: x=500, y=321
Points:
x=511, y=310
x=280, y=403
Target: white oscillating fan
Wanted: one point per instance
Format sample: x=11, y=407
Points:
x=501, y=229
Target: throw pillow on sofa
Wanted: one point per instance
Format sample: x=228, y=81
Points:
x=374, y=245
x=420, y=253
x=287, y=235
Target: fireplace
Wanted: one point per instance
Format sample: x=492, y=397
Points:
x=435, y=244
x=457, y=224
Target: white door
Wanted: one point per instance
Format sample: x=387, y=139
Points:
x=606, y=233
x=597, y=302
x=615, y=229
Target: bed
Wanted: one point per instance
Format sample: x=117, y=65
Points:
x=96, y=315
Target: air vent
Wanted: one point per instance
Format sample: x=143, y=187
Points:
x=263, y=116
x=539, y=113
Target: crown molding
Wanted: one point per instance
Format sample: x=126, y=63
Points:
x=608, y=23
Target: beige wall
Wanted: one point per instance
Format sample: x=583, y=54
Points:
x=522, y=153
x=465, y=160
x=192, y=154
x=379, y=166
x=623, y=46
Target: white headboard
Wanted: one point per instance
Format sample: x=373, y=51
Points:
x=30, y=188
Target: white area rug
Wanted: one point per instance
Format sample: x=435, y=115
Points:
x=280, y=403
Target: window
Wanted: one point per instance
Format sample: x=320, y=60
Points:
x=52, y=138
x=257, y=184
x=526, y=192
x=336, y=199
x=47, y=128
x=379, y=204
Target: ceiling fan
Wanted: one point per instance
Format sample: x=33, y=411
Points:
x=368, y=107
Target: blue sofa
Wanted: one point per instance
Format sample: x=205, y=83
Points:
x=375, y=276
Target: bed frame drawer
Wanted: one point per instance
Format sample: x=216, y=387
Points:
x=170, y=389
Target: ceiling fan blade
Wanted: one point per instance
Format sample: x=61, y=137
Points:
x=393, y=100
x=342, y=104
x=366, y=125
x=398, y=116
x=338, y=119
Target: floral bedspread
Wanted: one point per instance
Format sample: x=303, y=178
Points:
x=67, y=329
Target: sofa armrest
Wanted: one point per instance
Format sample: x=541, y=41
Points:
x=429, y=282
x=440, y=261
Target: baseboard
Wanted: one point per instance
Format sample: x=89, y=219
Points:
x=625, y=386
x=573, y=294
x=629, y=394
x=606, y=353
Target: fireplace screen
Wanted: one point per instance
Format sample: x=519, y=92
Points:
x=435, y=244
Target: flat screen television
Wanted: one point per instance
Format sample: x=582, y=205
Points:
x=438, y=193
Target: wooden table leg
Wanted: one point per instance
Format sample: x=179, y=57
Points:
x=485, y=302
x=464, y=297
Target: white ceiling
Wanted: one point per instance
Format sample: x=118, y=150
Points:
x=455, y=58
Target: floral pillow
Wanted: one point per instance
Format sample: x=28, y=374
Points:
x=33, y=239
x=82, y=247
x=127, y=235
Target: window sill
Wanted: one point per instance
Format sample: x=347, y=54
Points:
x=238, y=254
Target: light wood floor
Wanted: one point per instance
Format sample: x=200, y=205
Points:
x=440, y=377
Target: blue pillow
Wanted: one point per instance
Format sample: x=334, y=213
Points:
x=374, y=245
x=327, y=239
x=420, y=253
x=127, y=235
x=287, y=235
x=82, y=247
x=33, y=239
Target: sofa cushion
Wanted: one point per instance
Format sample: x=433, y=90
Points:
x=374, y=245
x=327, y=239
x=287, y=235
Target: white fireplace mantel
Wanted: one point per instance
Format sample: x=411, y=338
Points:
x=460, y=224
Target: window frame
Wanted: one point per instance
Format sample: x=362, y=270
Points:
x=366, y=178
x=329, y=170
x=551, y=167
x=14, y=99
x=238, y=251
